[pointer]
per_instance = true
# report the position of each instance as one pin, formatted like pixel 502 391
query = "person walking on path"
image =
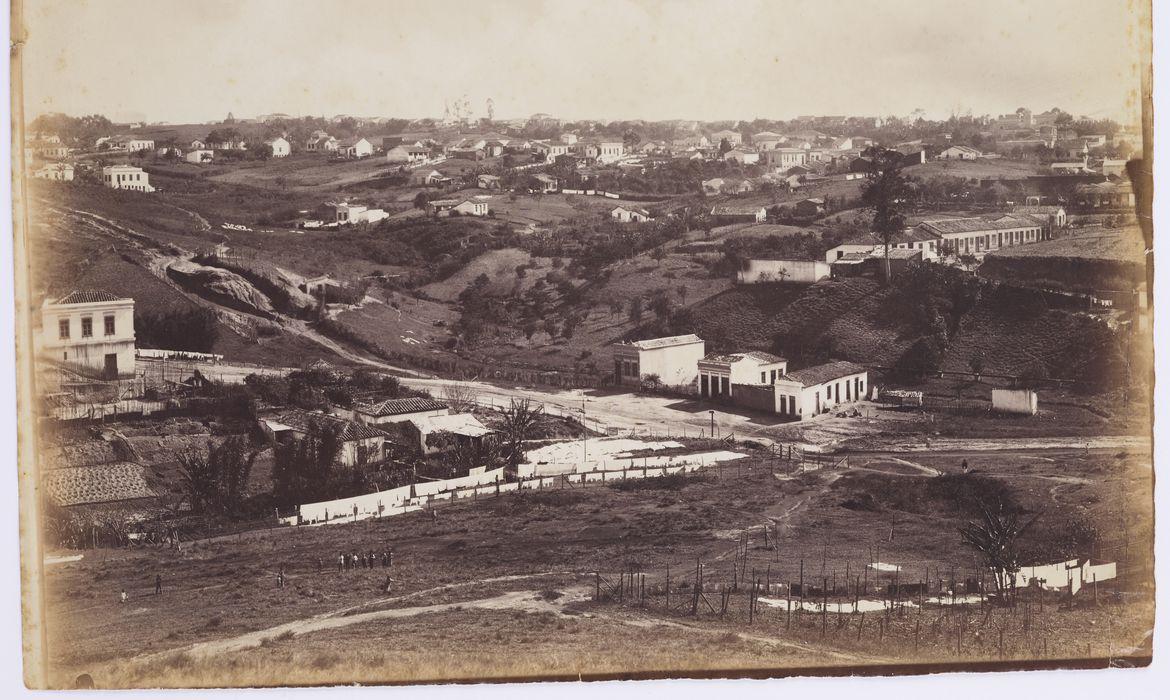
pixel 158 584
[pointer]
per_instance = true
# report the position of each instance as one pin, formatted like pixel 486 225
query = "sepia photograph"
pixel 434 341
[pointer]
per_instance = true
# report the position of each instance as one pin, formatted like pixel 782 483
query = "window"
pixel 109 322
pixel 763 377
pixel 86 326
pixel 63 329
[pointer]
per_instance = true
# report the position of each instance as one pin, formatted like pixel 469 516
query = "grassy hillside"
pixel 803 323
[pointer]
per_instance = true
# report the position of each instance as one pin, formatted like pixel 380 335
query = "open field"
pixel 984 168
pixel 519 568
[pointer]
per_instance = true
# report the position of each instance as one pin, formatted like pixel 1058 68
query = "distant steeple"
pixel 230 119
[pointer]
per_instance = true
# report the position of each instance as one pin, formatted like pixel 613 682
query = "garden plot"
pixel 97 484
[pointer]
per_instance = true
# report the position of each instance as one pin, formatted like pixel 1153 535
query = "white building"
pixel 550 151
pixel 396 410
pixel 631 214
pixel 462 428
pixel 279 147
pixel 355 148
pixel 978 235
pixel 718 372
pixel 126 177
pixel 321 141
pixel 55 171
pixel 346 213
pixel 960 153
pixel 784 158
pixel 674 360
pixel 408 154
pixel 809 392
pixel 90 330
pixel 203 155
pixel 803 271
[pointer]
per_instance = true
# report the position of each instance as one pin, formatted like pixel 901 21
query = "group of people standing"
pixel 367 560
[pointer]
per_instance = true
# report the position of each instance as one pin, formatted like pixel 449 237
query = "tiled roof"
pixel 398 406
pixel 299 420
pixel 977 224
pixel 394 407
pixel 827 372
pixel 88 296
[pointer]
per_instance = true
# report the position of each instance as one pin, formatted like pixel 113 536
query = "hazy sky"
pixel 196 60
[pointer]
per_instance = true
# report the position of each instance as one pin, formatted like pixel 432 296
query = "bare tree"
pixel 460 397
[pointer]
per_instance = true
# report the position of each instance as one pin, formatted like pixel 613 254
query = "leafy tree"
pixel 635 313
pixel 996 536
pixel 976 363
pixel 519 421
pixel 216 482
pixel 303 469
pixel 885 193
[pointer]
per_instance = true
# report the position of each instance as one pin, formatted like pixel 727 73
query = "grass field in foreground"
pixel 502 586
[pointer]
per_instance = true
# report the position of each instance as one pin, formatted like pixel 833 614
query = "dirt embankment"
pixel 221 286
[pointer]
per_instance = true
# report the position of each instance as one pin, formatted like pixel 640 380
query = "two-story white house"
pixel 91 330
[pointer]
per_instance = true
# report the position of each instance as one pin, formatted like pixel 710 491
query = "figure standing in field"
pixel 123 596
pixel 318 565
pixel 158 584
pixel 340 563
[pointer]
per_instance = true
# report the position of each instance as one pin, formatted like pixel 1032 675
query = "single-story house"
pixel 809 392
pixel 279 147
pixel 355 147
pixel 389 411
pixel 731 213
pixel 799 271
pixel 359 443
pixel 55 171
pixel 629 214
pixel 718 372
pixel 464 429
pixel 673 360
pixel 810 207
pixel 487 182
pixel 742 156
pixel 404 153
pixel 201 155
pixel 347 213
pixel 960 153
pixel 543 182
pixel 427 177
